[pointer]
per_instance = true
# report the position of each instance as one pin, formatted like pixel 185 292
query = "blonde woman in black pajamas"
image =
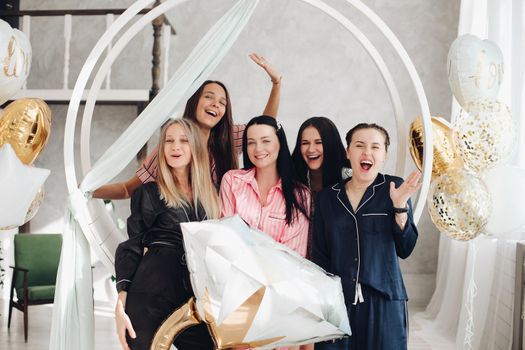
pixel 152 276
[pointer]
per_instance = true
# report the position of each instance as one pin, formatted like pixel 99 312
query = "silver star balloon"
pixel 19 184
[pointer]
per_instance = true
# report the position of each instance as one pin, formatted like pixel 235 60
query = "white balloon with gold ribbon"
pixel 475 69
pixel 15 60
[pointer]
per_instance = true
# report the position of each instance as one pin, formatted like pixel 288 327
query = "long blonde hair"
pixel 202 188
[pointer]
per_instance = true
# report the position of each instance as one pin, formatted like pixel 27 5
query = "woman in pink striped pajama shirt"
pixel 266 193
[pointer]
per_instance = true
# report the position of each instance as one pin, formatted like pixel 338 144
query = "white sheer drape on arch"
pixel 72 322
pixel 474 298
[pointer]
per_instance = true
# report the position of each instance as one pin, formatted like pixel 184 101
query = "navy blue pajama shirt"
pixel 362 247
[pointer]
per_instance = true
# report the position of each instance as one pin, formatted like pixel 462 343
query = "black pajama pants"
pixel 160 286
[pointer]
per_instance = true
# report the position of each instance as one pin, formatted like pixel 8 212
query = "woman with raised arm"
pixel 152 276
pixel 210 107
pixel 362 225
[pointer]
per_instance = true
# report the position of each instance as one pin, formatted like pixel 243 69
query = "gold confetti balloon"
pixel 35 204
pixel 26 125
pixel 445 158
pixel 484 134
pixel 459 204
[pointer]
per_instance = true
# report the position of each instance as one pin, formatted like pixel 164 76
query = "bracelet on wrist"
pixel 401 210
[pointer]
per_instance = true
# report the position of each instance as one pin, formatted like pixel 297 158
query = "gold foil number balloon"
pixel 445 158
pixel 459 204
pixel 26 124
pixel 484 135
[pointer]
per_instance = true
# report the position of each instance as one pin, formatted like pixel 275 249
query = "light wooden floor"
pixel 40 327
pixel 106 339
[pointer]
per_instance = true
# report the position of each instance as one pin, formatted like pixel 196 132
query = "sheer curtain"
pixel 473 302
pixel 72 322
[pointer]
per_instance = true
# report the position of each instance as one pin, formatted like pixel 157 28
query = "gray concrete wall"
pixel 325 72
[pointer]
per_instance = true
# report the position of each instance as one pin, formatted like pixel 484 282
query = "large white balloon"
pixel 506 185
pixel 475 69
pixel 15 60
pixel 19 184
pixel 253 290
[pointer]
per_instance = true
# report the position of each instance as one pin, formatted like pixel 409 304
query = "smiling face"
pixel 177 148
pixel 312 148
pixel 211 106
pixel 262 145
pixel 367 154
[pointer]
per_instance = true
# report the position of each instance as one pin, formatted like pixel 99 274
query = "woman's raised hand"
pixel 275 75
pixel 401 194
pixel 123 321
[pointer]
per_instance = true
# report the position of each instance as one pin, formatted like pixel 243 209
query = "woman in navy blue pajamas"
pixel 361 226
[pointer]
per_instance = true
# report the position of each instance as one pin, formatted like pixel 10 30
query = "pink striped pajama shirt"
pixel 239 194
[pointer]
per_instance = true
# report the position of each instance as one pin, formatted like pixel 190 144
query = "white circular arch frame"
pixel 99 228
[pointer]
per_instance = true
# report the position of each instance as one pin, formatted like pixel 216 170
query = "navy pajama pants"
pixel 376 324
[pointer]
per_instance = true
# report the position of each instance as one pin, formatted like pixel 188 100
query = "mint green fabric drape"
pixel 72 325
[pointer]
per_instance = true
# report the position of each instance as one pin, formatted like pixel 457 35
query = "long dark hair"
pixel 334 155
pixel 293 191
pixel 220 143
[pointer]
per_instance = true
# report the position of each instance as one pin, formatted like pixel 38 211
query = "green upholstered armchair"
pixel 35 272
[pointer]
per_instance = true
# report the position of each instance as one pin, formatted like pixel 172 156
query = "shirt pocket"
pixel 375 223
pixel 277 226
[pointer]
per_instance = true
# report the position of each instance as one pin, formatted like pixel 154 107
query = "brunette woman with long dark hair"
pixel 319 157
pixel 210 107
pixel 319 154
pixel 266 193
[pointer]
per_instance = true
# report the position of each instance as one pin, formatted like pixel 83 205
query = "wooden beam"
pixel 113 96
pixel 52 13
